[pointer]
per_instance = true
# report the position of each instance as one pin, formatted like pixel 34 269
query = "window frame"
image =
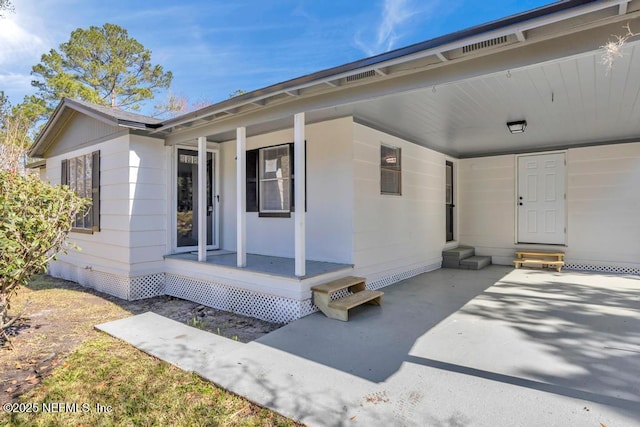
pixel 392 169
pixel 252 182
pixel 93 211
pixel 286 179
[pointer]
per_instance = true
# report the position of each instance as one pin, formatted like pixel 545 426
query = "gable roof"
pixel 67 107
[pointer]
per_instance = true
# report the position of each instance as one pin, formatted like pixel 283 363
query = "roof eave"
pixel 396 56
pixel 42 135
pixel 38 148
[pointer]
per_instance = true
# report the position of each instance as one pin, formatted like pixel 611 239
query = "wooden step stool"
pixel 339 308
pixel 539 259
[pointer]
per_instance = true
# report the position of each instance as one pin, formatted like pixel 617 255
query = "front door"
pixel 187 200
pixel 541 199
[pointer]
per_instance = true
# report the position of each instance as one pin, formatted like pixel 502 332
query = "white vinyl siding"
pixel 396 234
pixel 390 170
pixel 329 220
pixel 602 206
pixel 108 250
pixel 133 209
pixel 486 206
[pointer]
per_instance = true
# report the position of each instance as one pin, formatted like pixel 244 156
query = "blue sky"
pixel 214 48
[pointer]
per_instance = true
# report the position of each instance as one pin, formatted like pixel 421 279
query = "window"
pixel 390 170
pixel 275 179
pixel 448 189
pixel 270 179
pixel 82 174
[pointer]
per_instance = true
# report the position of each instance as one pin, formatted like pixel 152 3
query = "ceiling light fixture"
pixel 517 127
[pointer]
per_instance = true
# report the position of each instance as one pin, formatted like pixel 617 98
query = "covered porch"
pixel 448 106
pixel 266 287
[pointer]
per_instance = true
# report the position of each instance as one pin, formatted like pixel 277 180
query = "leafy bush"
pixel 35 218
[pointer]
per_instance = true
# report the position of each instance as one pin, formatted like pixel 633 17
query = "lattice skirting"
pixel 210 293
pixel 602 268
pixel 242 301
pixel 399 276
pixel 125 287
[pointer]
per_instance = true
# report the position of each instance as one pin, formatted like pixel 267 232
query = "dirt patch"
pixel 59 315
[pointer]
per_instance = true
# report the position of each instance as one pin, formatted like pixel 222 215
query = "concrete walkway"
pixel 496 347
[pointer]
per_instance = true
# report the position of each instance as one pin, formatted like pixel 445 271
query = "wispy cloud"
pixel 16 43
pixel 392 26
pixel 17 82
pixel 20 48
pixel 395 13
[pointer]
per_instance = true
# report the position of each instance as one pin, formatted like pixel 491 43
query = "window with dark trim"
pixel 82 174
pixel 274 172
pixel 270 181
pixel 390 170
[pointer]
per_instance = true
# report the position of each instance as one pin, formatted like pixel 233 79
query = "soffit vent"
pixel 484 44
pixel 360 76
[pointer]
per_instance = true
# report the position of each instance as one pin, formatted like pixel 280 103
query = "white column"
pixel 241 196
pixel 202 198
pixel 300 196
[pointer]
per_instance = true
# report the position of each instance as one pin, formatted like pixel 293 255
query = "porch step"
pixel 539 259
pixel 343 305
pixel 464 257
pixel 459 253
pixel 339 308
pixel 352 283
pixel 475 262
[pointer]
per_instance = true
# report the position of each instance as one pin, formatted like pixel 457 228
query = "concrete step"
pixel 451 257
pixel 475 262
pixel 459 253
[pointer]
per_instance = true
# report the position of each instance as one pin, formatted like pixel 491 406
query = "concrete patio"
pixel 448 348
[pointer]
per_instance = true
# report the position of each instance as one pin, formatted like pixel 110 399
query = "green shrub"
pixel 35 218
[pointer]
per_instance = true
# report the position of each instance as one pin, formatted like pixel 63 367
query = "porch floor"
pixel 276 266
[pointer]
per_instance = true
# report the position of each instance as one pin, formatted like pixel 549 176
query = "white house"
pixel 371 168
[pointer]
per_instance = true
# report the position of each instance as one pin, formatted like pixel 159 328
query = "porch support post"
pixel 202 199
pixel 241 196
pixel 299 192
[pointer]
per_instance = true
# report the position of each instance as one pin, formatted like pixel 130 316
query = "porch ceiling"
pixel 567 102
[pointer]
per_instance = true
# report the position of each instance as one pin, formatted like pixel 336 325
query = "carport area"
pixel 447 348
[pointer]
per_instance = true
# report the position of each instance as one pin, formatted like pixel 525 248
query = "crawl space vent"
pixel 360 76
pixel 484 44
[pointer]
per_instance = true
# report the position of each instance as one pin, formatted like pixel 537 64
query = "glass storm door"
pixel 187 199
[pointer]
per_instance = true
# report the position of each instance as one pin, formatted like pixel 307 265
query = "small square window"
pixel 390 170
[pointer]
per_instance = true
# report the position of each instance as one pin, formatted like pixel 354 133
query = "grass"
pixel 140 389
pixel 61 358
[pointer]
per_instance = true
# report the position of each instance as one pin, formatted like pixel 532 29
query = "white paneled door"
pixel 541 199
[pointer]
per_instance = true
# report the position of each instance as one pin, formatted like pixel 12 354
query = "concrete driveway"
pixel 496 347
